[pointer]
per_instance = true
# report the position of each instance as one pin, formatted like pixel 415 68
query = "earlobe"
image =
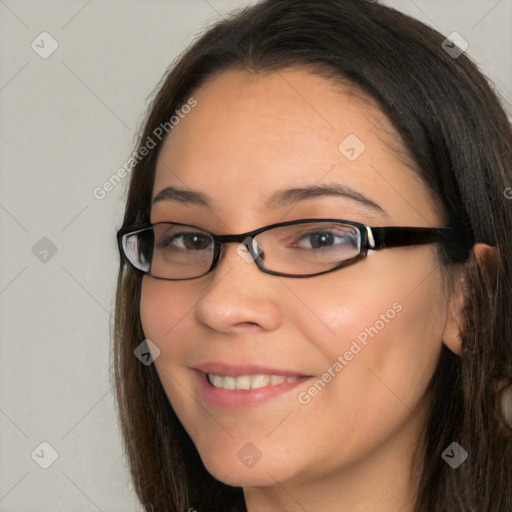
pixel 485 256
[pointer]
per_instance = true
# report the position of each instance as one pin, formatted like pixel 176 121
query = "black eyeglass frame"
pixel 372 238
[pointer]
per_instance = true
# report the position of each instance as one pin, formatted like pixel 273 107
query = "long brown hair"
pixel 451 122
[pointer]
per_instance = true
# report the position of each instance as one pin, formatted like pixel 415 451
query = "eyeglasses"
pixel 298 248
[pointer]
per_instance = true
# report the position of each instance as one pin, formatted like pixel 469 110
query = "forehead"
pixel 252 134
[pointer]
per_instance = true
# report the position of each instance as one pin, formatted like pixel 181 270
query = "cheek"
pixel 381 342
pixel 387 332
pixel 399 301
pixel 163 305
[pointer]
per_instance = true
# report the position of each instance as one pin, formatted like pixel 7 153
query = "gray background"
pixel 68 123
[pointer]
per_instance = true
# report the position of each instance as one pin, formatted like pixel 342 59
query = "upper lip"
pixel 245 369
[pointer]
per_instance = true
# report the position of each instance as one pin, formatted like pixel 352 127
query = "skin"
pixel 351 448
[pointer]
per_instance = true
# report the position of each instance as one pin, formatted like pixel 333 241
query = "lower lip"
pixel 241 397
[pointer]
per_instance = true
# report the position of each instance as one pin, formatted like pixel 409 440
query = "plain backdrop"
pixel 69 121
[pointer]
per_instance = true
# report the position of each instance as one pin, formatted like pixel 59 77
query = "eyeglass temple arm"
pixel 378 238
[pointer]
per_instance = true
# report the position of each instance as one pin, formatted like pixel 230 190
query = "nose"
pixel 237 295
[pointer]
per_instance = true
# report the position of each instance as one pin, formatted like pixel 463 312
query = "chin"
pixel 247 477
pixel 233 472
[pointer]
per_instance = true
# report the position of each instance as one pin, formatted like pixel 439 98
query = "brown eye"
pixel 325 240
pixel 186 241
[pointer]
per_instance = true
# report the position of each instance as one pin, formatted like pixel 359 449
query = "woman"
pixel 315 361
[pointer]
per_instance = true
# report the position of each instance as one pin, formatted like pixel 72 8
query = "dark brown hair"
pixel 450 121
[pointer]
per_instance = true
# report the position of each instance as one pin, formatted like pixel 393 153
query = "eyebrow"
pixel 276 200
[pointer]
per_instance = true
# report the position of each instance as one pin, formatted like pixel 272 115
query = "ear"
pixel 454 318
pixel 453 328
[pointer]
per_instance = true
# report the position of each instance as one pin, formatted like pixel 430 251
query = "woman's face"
pixel 363 341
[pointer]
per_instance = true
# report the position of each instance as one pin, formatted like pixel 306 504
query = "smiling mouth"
pixel 248 382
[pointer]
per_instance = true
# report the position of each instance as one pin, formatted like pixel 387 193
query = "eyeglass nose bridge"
pixel 248 249
pixel 254 250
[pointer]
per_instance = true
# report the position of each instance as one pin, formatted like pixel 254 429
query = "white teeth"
pixel 247 381
pixel 260 381
pixel 229 383
pixel 216 380
pixel 243 382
